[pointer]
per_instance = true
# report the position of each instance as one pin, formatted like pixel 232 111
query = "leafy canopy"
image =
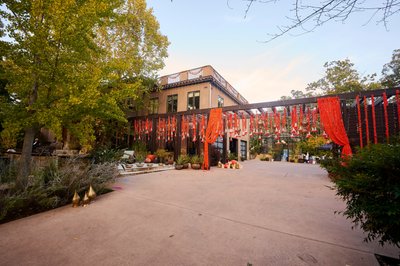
pixel 70 63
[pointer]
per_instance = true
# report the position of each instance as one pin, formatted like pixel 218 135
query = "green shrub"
pixel 369 182
pixel 53 186
pixel 106 155
pixel 196 159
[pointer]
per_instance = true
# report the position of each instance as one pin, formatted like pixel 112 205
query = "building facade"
pixel 195 89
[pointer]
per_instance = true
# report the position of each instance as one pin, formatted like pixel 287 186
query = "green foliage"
pixel 106 155
pixel 369 182
pixel 232 156
pixel 140 156
pixel 181 160
pixel 72 64
pixel 391 71
pixel 312 145
pixel 162 154
pixel 54 186
pixel 139 146
pixel 340 77
pixel 196 159
pixel 255 145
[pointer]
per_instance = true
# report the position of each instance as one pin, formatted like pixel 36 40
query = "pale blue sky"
pixel 211 33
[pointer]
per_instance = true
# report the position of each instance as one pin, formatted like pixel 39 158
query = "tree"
pixel 391 71
pixel 71 63
pixel 296 94
pixel 340 77
pixel 308 15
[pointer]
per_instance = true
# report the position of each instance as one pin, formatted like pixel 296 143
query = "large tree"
pixel 70 63
pixel 340 77
pixel 391 71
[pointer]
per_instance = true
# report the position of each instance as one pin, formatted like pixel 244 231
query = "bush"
pixel 369 182
pixel 53 186
pixel 106 155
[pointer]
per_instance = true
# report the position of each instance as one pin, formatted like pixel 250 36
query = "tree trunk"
pixel 26 158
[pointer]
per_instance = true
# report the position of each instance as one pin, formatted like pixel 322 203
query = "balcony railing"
pixel 203 72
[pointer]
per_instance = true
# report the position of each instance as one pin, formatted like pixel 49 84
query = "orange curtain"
pixel 213 129
pixel 331 118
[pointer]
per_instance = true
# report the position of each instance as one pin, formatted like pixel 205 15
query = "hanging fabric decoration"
pixel 194 129
pixel 244 125
pixel 359 126
pixel 385 104
pixel 202 128
pixel 366 119
pixel 308 123
pixel 266 130
pixel 331 118
pixel 374 119
pixel 398 108
pixel 301 120
pixel 283 130
pixel 314 115
pixel 251 125
pixel 294 122
pixel 214 125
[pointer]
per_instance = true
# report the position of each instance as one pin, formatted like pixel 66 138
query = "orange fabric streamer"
pixel 213 127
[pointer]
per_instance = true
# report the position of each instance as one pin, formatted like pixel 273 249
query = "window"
pixel 243 149
pixel 153 108
pixel 193 100
pixel 220 101
pixel 172 103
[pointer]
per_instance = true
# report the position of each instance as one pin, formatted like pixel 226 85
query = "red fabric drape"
pixel 331 118
pixel 213 127
pixel 374 119
pixel 398 107
pixel 385 104
pixel 359 121
pixel 366 119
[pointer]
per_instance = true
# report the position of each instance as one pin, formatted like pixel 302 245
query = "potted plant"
pixel 186 160
pixel 196 162
pixel 139 159
pixel 161 155
pixel 179 162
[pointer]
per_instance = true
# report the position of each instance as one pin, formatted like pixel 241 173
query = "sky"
pixel 217 33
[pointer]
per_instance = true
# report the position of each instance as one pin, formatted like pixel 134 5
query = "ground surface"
pixel 268 213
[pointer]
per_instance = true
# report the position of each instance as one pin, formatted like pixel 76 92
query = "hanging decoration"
pixel 214 126
pixel 142 129
pixel 374 119
pixel 385 104
pixel 398 108
pixel 308 119
pixel 366 119
pixel 331 118
pixel 194 129
pixel 359 126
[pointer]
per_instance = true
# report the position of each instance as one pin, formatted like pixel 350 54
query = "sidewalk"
pixel 268 213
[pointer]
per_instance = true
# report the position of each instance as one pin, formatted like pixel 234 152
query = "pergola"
pixel 368 117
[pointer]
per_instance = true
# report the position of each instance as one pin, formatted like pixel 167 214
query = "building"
pixel 195 89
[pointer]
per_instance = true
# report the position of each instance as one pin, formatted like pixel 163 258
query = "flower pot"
pixel 139 164
pixel 185 165
pixel 196 166
pixel 178 166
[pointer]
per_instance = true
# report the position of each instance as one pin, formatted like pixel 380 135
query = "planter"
pixel 196 166
pixel 139 164
pixel 185 165
pixel 179 166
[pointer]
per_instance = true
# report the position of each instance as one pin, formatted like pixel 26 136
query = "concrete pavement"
pixel 268 213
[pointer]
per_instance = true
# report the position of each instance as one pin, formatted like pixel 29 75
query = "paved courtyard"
pixel 268 213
